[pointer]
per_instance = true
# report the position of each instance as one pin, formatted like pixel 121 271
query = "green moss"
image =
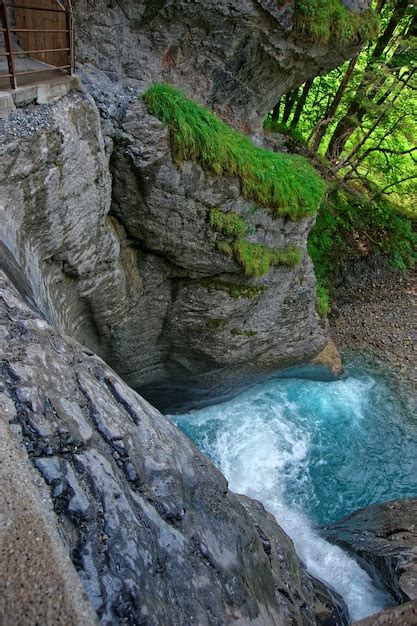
pixel 322 21
pixel 323 299
pixel 224 247
pixel 243 333
pixel 230 224
pixel 285 183
pixel 215 324
pixel 235 291
pixel 257 259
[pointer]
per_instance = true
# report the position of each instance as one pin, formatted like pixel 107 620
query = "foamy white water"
pixel 263 443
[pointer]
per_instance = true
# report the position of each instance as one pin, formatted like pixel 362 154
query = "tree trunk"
pixel 301 102
pixel 331 111
pixel 275 112
pixel 355 113
pixel 289 102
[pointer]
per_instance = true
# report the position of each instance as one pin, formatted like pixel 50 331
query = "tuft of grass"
pixel 257 259
pixel 230 224
pixel 287 184
pixel 322 299
pixel 224 247
pixel 322 21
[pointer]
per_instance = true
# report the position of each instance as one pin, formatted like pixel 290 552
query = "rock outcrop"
pixel 114 238
pixel 238 58
pixel 403 615
pixel 148 521
pixel 137 277
pixel 383 538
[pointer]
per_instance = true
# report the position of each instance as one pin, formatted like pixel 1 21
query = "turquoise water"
pixel 313 452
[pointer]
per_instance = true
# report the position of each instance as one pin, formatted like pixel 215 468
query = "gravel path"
pixel 377 314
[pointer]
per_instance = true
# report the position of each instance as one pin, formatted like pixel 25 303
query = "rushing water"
pixel 313 452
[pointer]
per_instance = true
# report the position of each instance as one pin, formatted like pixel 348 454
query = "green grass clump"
pixel 323 299
pixel 285 183
pixel 257 259
pixel 229 224
pixel 322 21
pixel 346 221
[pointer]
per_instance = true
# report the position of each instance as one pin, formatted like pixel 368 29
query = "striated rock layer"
pixel 237 57
pixel 148 521
pixel 137 277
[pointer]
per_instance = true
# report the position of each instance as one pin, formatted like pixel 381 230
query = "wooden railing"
pixel 41 30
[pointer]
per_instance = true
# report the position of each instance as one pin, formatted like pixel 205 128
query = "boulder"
pixel 383 537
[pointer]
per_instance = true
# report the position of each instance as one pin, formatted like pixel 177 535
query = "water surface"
pixel 313 452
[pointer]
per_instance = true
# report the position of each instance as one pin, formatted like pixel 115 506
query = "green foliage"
pixel 234 290
pixel 349 226
pixel 323 299
pixel 225 247
pixel 287 184
pixel 322 21
pixel 277 127
pixel 215 324
pixel 257 259
pixel 230 224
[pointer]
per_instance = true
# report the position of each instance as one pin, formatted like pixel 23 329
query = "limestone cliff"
pixel 149 523
pixel 111 249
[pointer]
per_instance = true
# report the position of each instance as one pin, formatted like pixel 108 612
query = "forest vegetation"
pixel 358 124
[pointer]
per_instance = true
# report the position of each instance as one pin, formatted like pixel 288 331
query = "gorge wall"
pixel 109 247
pixel 115 239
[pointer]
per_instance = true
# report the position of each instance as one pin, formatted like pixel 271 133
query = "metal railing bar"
pixel 17 6
pixel 11 54
pixel 43 51
pixel 16 54
pixel 37 30
pixel 46 69
pixel 8 44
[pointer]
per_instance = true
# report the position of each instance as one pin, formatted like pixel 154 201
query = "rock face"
pixel 403 615
pixel 137 277
pixel 237 57
pixel 38 582
pixel 148 521
pixel 384 538
pixel 114 238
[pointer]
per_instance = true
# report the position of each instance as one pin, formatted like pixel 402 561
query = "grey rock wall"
pixel 122 258
pixel 238 57
pixel 148 522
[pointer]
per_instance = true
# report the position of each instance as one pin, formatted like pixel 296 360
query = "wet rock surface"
pixel 383 538
pixel 148 521
pixel 403 615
